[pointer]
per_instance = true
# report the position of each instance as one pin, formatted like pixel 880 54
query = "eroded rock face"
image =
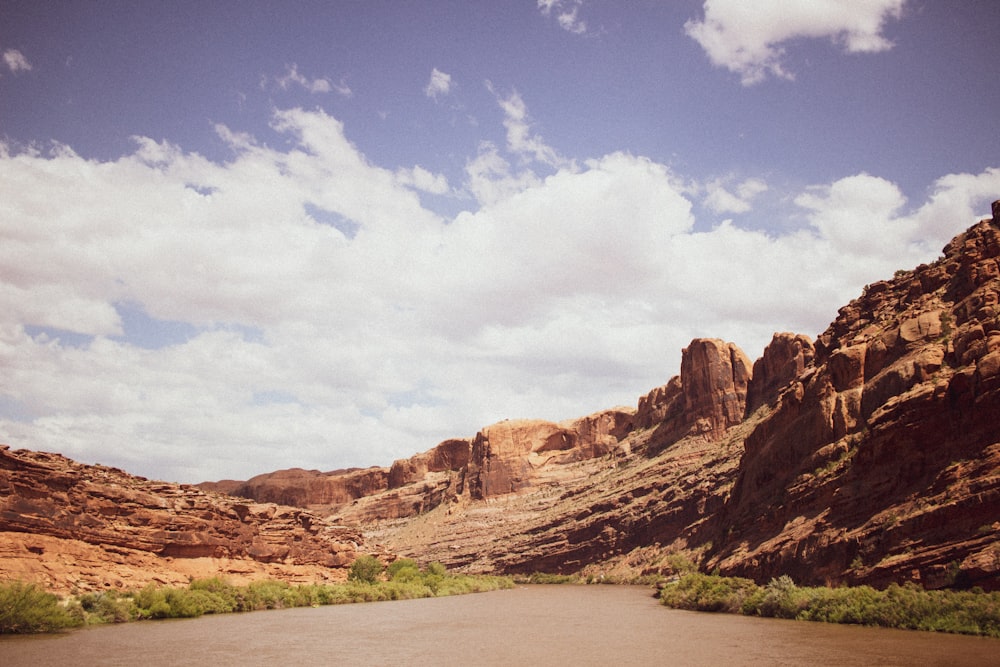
pixel 864 470
pixel 708 398
pixel 714 377
pixel 785 358
pixel 147 528
pixel 506 455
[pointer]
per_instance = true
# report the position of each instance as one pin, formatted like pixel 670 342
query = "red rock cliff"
pixel 70 526
pixel 881 459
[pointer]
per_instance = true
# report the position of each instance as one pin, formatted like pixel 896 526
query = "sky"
pixel 237 237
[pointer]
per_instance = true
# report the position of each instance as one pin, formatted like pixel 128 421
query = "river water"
pixel 530 625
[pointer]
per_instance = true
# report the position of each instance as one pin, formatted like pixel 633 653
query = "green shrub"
pixel 109 607
pixel 403 569
pixel 702 592
pixel 549 578
pixel 270 594
pixel 401 564
pixel 907 606
pixel 27 608
pixel 365 569
pixel 781 599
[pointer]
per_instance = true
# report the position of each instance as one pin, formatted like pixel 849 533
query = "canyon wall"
pixel 870 455
pixel 881 461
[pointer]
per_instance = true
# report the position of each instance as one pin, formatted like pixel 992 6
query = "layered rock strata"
pixel 77 527
pixel 881 460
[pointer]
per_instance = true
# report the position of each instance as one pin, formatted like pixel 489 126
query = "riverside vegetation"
pixel 909 607
pixel 27 608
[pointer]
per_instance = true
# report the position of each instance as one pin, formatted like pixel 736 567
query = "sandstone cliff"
pixel 75 527
pixel 881 460
pixel 871 455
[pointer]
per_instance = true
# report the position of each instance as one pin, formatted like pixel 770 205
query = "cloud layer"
pixel 748 38
pixel 300 306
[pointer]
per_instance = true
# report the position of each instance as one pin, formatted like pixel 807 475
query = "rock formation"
pixel 77 527
pixel 871 455
pixel 881 460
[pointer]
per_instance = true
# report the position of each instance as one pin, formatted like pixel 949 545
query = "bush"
pixel 907 607
pixel 27 608
pixel 365 569
pixel 549 578
pixel 403 569
pixel 109 607
pixel 781 599
pixel 437 569
pixel 269 594
pixel 702 592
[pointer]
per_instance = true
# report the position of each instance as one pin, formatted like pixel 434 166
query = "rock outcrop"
pixel 881 460
pixel 77 527
pixel 533 494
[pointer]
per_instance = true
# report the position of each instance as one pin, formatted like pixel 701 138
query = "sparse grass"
pixel 908 607
pixel 28 608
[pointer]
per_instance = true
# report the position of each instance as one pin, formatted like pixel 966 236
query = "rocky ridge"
pixel 75 527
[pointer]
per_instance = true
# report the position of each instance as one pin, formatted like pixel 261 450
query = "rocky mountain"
pixel 73 527
pixel 870 455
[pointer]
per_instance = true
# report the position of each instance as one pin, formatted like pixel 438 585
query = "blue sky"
pixel 238 237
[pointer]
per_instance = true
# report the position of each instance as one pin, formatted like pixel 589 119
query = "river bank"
pixel 539 625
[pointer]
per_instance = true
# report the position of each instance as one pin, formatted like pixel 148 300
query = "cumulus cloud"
pixel 747 38
pixel 15 61
pixel 857 214
pixel 305 346
pixel 292 77
pixel 719 198
pixel 439 84
pixel 566 13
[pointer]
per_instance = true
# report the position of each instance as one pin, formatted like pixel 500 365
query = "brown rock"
pixel 714 376
pixel 120 524
pixel 785 358
pixel 865 473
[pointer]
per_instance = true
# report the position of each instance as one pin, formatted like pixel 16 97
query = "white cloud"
pixel 490 178
pixel 857 214
pixel 15 61
pixel 292 76
pixel 747 37
pixel 521 140
pixel 566 13
pixel 719 199
pixel 421 179
pixel 439 84
pixel 554 297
